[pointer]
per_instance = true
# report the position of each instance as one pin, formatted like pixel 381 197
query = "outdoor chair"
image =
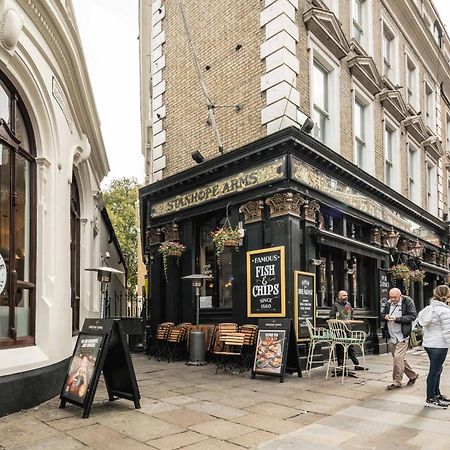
pixel 176 342
pixel 248 350
pixel 230 356
pixel 317 335
pixel 162 333
pixel 341 335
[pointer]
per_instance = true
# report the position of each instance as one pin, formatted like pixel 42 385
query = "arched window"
pixel 17 220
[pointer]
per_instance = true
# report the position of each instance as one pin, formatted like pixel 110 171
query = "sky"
pixel 109 32
pixel 109 35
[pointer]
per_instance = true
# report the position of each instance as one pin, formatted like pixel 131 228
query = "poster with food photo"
pixel 269 351
pixel 82 367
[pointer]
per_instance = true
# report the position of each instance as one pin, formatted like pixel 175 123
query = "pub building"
pixel 291 193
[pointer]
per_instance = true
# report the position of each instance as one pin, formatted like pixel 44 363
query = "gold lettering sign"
pixel 310 176
pixel 243 181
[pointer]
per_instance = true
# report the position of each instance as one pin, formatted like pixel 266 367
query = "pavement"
pixel 193 408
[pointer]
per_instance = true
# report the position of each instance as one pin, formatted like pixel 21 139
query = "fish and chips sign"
pixel 248 179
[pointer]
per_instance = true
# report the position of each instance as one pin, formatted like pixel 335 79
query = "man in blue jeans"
pixel 398 314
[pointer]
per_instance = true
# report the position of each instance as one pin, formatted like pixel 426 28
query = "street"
pixel 193 408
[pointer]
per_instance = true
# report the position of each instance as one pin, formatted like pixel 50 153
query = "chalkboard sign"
pixel 266 283
pixel 304 303
pixel 101 346
pixel 276 350
pixel 383 284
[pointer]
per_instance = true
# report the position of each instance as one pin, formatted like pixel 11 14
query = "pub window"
pixel 329 281
pixel 17 218
pixel 216 293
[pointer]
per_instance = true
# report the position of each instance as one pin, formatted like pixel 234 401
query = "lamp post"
pixel 104 276
pixel 197 338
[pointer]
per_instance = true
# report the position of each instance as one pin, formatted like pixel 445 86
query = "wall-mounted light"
pixel 197 157
pixel 315 262
pixel 391 239
pixel 416 250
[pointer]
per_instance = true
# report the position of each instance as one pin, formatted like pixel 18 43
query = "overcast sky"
pixel 109 33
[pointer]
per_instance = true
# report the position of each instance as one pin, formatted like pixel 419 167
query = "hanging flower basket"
pixel 170 248
pixel 225 237
pixel 417 276
pixel 402 273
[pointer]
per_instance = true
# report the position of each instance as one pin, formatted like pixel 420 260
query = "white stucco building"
pixel 52 161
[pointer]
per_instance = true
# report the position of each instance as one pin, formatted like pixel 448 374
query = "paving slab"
pixel 177 440
pixel 192 407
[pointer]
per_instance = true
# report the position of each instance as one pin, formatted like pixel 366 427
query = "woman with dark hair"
pixel 435 320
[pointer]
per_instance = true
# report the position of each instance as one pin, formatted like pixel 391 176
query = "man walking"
pixel 342 310
pixel 398 314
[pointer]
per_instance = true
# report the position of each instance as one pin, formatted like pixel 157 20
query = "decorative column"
pixel 284 214
pixel 253 219
pixel 309 215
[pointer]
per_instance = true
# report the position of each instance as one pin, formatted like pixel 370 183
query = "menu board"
pixel 383 284
pixel 266 283
pixel 82 367
pixel 269 351
pixel 304 303
pixel 101 347
pixel 276 350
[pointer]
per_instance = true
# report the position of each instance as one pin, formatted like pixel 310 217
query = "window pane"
pixel 21 132
pixel 226 279
pixel 22 250
pixel 4 106
pixel 23 313
pixel 320 87
pixel 359 120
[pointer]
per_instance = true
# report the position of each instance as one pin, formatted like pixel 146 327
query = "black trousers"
pixel 351 354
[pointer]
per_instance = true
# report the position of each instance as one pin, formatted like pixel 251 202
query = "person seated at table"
pixel 342 310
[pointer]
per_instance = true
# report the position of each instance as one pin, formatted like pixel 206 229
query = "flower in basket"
pixel 170 248
pixel 417 276
pixel 403 273
pixel 225 237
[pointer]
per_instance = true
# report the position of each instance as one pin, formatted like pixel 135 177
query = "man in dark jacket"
pixel 398 315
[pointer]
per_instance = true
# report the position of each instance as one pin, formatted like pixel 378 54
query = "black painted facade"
pixel 295 217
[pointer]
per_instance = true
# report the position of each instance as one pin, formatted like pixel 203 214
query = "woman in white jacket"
pixel 435 320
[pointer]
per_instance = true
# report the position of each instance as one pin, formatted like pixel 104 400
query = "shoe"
pixel 443 399
pixel 358 367
pixel 435 403
pixel 393 386
pixel 412 381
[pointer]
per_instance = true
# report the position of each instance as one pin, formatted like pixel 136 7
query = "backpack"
pixel 416 336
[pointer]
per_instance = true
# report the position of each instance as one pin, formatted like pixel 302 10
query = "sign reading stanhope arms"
pixel 248 179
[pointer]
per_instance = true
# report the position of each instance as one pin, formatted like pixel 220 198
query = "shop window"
pixel 75 254
pixel 216 293
pixel 17 218
pixel 329 277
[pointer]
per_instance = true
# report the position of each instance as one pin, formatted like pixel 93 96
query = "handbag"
pixel 416 336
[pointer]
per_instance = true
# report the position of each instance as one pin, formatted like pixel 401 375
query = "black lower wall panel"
pixel 27 389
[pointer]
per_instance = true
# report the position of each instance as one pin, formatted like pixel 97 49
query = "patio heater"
pixel 197 337
pixel 104 276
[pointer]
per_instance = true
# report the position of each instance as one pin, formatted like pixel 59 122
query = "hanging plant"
pixel 416 276
pixel 225 237
pixel 403 273
pixel 170 248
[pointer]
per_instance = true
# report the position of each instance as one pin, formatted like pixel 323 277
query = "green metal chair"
pixel 317 335
pixel 343 336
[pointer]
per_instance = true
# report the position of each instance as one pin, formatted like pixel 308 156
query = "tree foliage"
pixel 120 201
